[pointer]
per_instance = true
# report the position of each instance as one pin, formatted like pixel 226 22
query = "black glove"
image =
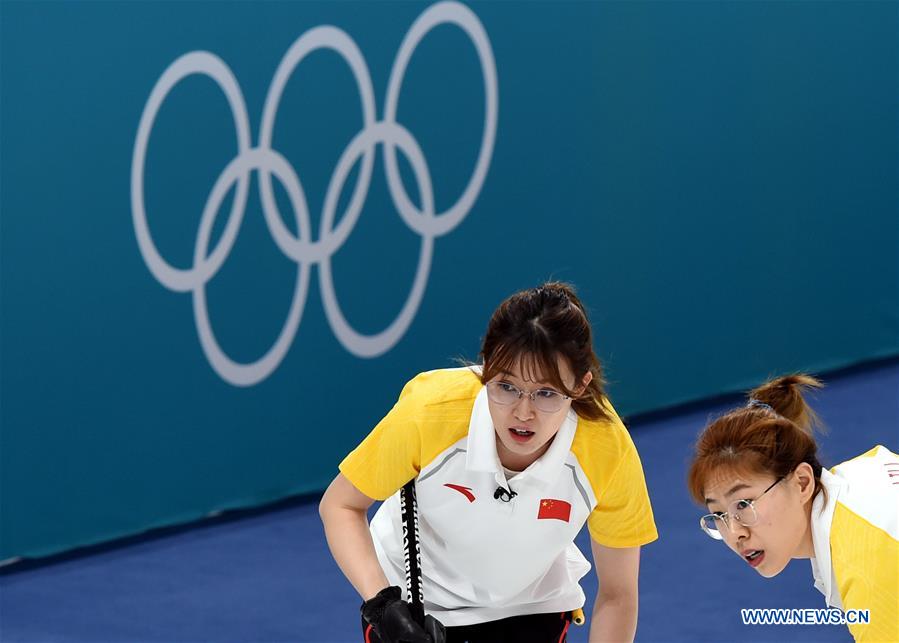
pixel 392 620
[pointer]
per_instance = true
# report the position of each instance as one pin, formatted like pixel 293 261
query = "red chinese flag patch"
pixel 554 510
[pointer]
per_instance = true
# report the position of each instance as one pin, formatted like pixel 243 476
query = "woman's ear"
pixel 585 382
pixel 804 478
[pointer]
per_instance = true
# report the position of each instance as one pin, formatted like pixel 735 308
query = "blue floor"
pixel 270 577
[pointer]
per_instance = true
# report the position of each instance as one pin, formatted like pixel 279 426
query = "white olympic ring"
pixel 301 248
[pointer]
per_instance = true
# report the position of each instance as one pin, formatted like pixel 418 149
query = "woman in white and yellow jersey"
pixel 510 459
pixel 756 469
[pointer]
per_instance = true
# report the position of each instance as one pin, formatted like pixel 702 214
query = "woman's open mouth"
pixel 521 435
pixel 754 557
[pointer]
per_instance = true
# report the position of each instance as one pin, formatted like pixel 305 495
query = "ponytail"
pixel 785 396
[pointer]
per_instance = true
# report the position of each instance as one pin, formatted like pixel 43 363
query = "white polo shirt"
pixel 855 533
pixel 484 559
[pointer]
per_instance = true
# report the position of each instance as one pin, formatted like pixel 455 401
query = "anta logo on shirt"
pixel 465 491
pixel 892 469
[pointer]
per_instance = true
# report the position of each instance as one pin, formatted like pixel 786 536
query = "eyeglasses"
pixel 544 399
pixel 742 511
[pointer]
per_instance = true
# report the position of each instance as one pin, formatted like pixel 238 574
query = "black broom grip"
pixel 412 551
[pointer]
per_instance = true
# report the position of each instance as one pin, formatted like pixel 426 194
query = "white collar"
pixel 821 522
pixel 482 455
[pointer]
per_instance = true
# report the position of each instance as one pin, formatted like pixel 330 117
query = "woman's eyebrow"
pixel 540 383
pixel 737 487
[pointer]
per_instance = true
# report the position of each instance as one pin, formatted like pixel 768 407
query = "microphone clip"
pixel 504 494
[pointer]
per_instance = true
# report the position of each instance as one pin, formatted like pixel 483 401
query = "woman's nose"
pixel 736 530
pixel 524 408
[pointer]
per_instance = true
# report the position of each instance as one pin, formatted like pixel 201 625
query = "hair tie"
pixel 754 403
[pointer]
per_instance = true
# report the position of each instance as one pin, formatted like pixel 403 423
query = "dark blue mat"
pixel 270 577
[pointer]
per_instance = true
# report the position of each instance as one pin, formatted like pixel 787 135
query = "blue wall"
pixel 719 179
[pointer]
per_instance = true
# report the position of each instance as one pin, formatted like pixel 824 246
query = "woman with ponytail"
pixel 510 459
pixel 770 500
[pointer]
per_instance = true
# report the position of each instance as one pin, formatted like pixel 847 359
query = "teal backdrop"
pixel 718 179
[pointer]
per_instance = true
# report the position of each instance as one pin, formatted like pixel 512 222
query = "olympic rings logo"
pixel 301 248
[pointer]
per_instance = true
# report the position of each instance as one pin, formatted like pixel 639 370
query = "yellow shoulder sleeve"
pixel 432 413
pixel 623 514
pixel 865 562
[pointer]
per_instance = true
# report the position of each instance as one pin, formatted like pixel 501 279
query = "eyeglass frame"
pixel 530 394
pixel 724 515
